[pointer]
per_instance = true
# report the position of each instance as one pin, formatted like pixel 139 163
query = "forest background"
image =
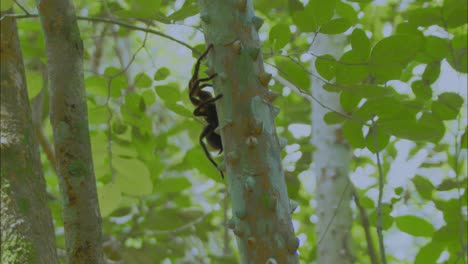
pixel 390 78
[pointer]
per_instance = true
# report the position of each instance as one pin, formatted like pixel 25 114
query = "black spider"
pixel 206 108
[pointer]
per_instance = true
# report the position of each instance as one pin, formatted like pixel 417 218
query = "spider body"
pixel 206 108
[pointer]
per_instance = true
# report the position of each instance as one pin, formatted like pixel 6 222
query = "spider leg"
pixel 198 63
pixel 197 111
pixel 207 131
pixel 194 84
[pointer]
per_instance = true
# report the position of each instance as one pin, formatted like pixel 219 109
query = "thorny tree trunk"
pixel 332 158
pixel 261 207
pixel 68 115
pixel 27 232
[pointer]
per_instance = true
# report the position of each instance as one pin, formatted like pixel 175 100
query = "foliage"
pixel 160 197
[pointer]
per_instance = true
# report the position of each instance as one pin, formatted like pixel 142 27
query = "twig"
pixel 379 202
pixel 115 22
pixel 177 230
pixel 21 7
pixel 366 226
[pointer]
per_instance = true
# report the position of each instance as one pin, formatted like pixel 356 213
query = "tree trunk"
pixel 68 115
pixel 27 232
pixel 261 208
pixel 331 159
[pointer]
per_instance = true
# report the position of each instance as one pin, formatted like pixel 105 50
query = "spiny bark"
pixel 27 232
pixel 68 115
pixel 260 203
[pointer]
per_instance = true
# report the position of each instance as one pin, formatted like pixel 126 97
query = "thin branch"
pixel 130 26
pixel 460 202
pixel 366 226
pixel 22 7
pixel 292 86
pixel 322 236
pixel 115 22
pixel 177 230
pixel 379 202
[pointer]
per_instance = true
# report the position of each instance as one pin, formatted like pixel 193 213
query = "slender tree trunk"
pixel 27 232
pixel 331 158
pixel 68 115
pixel 255 178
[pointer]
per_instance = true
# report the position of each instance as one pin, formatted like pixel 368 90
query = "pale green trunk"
pixel 331 158
pixel 261 208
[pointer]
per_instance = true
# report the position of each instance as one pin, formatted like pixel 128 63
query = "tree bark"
pixel 331 158
pixel 261 207
pixel 68 115
pixel 27 232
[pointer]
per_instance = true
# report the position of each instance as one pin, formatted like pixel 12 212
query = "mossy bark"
pixel 69 119
pixel 27 232
pixel 261 207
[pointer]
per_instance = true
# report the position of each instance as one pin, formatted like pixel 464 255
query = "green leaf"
pixel 335 26
pixel 351 68
pixel 302 20
pixel 387 219
pixel 429 253
pixel 431 73
pixel 5 5
pixel 447 106
pixel 280 35
pixel 97 114
pixel 142 80
pixel 173 185
pixel 293 72
pixel 448 184
pixel 371 91
pixel 169 93
pixel 34 82
pixel 132 102
pixel 455 13
pixel 133 177
pixel 187 10
pixel 118 81
pixel 423 186
pixel 367 202
pixel 321 11
pixel 391 55
pixel 399 191
pixel 331 118
pixel 349 101
pixel 179 109
pixel 148 97
pixel 458 59
pixel 97 85
pixel 352 131
pixel 196 158
pixel 437 48
pixel 326 66
pixel 347 11
pixel 295 5
pixel 109 197
pixel 161 74
pixel 382 140
pixel 360 43
pixel 427 128
pixel 141 9
pixel 424 17
pixel 464 139
pixel 421 90
pixel 414 226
